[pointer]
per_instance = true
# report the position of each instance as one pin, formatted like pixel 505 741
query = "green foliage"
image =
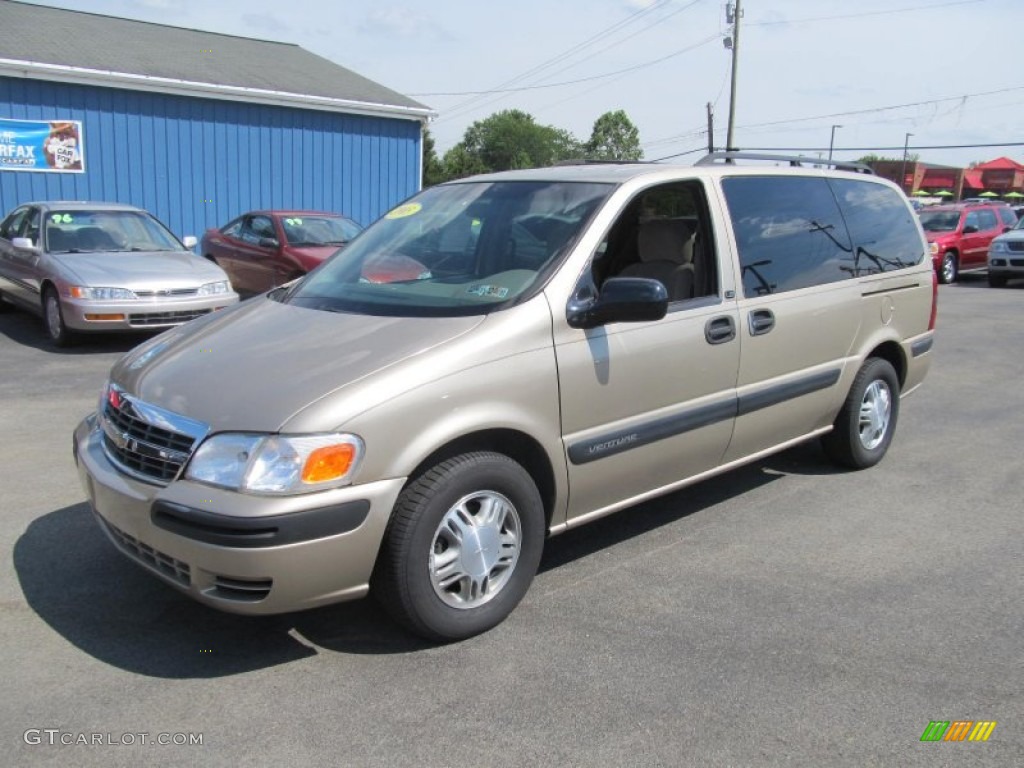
pixel 913 157
pixel 614 137
pixel 433 168
pixel 513 139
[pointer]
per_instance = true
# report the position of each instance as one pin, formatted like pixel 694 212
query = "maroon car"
pixel 263 249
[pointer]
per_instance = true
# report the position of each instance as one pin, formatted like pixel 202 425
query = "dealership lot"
pixel 783 614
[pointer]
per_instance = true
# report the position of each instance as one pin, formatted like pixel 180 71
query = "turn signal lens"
pixel 328 463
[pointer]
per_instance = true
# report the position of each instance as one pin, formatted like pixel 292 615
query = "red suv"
pixel 959 234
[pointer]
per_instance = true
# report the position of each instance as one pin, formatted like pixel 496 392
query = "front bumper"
pixel 1008 265
pixel 236 552
pixel 141 314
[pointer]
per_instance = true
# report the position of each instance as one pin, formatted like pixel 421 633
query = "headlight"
pixel 276 464
pixel 214 289
pixel 934 248
pixel 998 247
pixel 100 294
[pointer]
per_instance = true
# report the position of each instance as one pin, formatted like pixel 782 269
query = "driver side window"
pixel 663 234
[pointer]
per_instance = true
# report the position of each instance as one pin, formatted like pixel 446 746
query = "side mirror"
pixel 190 241
pixel 970 229
pixel 620 300
pixel 269 242
pixel 24 242
pixel 1007 229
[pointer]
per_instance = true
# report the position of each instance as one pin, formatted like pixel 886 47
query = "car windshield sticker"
pixel 61 218
pixel 293 222
pixel 488 291
pixel 409 209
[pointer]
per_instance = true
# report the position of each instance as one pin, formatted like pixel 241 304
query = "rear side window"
pixel 789 231
pixel 883 230
pixel 1008 216
pixel 987 220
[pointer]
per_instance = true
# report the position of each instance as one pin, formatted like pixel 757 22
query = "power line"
pixel 852 149
pixel 462 106
pixel 861 15
pixel 633 68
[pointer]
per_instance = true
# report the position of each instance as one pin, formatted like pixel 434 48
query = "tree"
pixel 433 168
pixel 614 137
pixel 507 140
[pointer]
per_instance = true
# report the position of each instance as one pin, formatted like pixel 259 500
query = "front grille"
pixel 169 566
pixel 174 292
pixel 148 319
pixel 1015 245
pixel 1017 262
pixel 146 441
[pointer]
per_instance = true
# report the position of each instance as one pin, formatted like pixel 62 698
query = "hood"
pixel 144 270
pixel 311 256
pixel 252 367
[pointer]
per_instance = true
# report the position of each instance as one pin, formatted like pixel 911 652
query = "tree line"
pixel 513 139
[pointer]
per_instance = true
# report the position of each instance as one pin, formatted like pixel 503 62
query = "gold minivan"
pixel 501 359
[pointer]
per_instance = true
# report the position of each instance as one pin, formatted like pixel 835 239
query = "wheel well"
pixel 43 288
pixel 518 446
pixel 893 353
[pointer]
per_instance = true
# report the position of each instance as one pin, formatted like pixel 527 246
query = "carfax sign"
pixel 54 146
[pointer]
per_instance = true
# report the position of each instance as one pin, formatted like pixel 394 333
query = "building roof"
pixel 972 179
pixel 73 46
pixel 1000 164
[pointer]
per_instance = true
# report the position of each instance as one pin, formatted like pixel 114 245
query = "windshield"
pixel 456 249
pixel 939 221
pixel 84 231
pixel 309 230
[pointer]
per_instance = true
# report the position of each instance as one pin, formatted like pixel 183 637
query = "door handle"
pixel 761 321
pixel 719 330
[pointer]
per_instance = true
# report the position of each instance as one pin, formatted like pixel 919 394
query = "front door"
pixel 646 405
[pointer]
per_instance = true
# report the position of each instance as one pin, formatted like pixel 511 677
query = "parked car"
pixel 959 234
pixel 87 267
pixel 261 250
pixel 578 339
pixel 1006 256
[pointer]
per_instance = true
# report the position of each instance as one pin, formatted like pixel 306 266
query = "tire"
pixel 863 430
pixel 428 579
pixel 4 304
pixel 996 281
pixel 53 319
pixel 948 269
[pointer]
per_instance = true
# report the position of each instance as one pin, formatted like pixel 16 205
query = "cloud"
pixel 639 5
pixel 404 23
pixel 264 22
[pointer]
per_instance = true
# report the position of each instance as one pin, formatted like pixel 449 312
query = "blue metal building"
pixel 199 127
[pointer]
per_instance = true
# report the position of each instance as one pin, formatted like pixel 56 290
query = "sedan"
pixel 261 250
pixel 87 267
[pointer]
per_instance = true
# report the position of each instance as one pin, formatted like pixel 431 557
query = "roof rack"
pixel 589 161
pixel 796 161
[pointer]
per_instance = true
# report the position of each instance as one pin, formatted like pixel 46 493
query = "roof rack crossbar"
pixel 795 161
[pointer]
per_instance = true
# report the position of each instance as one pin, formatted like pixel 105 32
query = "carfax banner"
pixel 54 146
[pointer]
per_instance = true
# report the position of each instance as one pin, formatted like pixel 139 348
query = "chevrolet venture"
pixel 572 340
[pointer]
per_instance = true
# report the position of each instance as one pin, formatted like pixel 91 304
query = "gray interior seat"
pixel 58 239
pixel 665 250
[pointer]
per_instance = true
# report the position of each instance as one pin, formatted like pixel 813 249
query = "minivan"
pixel 572 341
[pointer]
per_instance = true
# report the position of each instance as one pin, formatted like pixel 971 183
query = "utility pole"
pixel 903 170
pixel 832 141
pixel 711 128
pixel 733 13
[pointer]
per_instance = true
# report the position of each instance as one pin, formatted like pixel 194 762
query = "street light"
pixel 903 171
pixel 832 141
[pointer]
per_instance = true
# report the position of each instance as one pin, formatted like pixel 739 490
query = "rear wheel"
pixel 462 547
pixel 864 428
pixel 53 317
pixel 948 270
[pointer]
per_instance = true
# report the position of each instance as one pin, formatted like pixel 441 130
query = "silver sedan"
pixel 104 267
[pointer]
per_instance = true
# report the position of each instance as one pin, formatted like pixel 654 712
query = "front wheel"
pixel 462 547
pixel 865 425
pixel 53 316
pixel 948 270
pixel 996 281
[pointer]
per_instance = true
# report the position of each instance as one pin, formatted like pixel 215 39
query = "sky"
pixel 878 70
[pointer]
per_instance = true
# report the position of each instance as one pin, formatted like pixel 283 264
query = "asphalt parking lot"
pixel 786 614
